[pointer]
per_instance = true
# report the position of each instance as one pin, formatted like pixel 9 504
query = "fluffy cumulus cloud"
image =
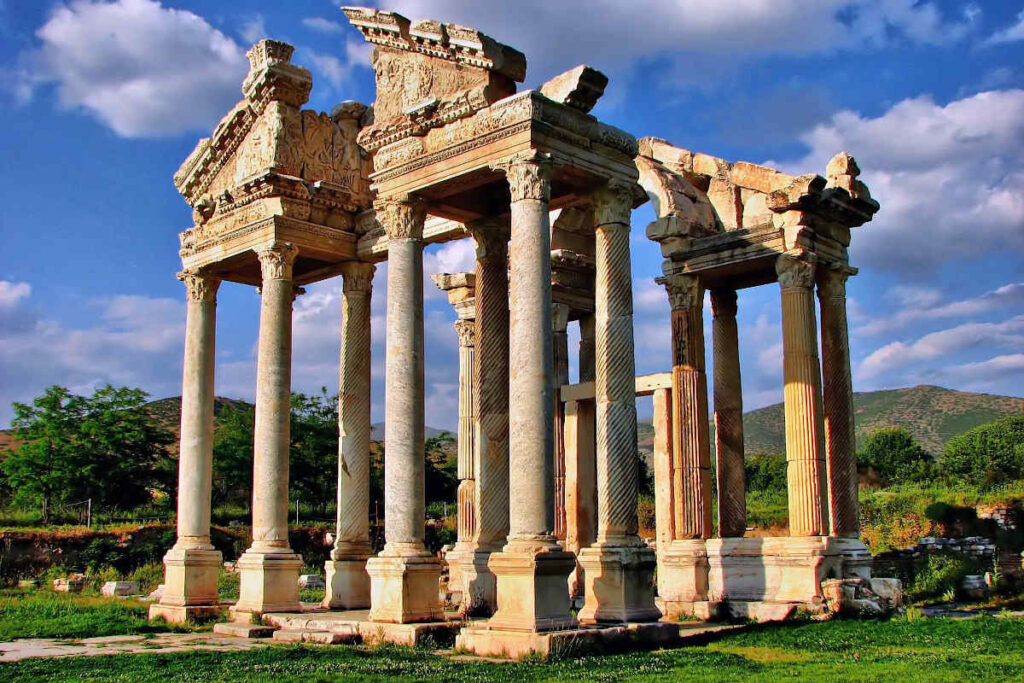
pixel 139 67
pixel 949 177
pixel 615 35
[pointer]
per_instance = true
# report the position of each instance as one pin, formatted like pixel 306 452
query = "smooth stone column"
pixel 404 577
pixel 728 392
pixel 269 569
pixel 840 439
pixel 191 566
pixel 805 431
pixel 560 348
pixel 348 584
pixel 618 568
pixel 532 568
pixel 664 501
pixel 580 484
pixel 685 562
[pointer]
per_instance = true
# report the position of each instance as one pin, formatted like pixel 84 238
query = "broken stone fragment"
pixel 579 88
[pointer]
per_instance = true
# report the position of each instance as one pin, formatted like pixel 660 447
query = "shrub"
pixel 766 472
pixel 943 572
pixel 894 454
pixel 989 455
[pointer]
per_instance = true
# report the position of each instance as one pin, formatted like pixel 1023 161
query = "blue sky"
pixel 100 102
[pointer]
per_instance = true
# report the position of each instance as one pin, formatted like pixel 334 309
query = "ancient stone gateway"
pixel 547 500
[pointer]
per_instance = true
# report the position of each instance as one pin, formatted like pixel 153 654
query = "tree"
pixel 441 468
pixel 766 472
pixel 894 455
pixel 313 464
pixel 987 455
pixel 232 455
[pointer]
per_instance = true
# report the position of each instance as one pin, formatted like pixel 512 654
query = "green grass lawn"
pixel 982 649
pixel 45 614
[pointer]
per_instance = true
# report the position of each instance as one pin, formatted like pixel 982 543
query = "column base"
pixel 619 584
pixel 856 557
pixel 182 614
pixel 405 589
pixel 190 577
pixel 774 569
pixel 348 584
pixel 532 587
pixel 269 583
pixel 477 583
pixel 683 577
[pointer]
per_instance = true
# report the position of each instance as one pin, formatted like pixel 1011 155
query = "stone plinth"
pixel 517 645
pixel 532 590
pixel 190 586
pixel 683 579
pixel 404 589
pixel 348 584
pixel 269 583
pixel 619 584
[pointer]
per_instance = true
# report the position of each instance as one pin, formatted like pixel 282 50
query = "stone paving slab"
pixel 160 643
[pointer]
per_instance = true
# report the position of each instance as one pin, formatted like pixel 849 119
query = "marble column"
pixel 404 577
pixel 805 433
pixel 191 566
pixel 837 389
pixel 348 584
pixel 532 568
pixel 269 568
pixel 560 349
pixel 664 501
pixel 728 392
pixel 618 567
pixel 684 562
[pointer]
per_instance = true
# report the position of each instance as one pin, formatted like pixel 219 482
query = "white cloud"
pixel 926 304
pixel 949 177
pixel 321 25
pixel 254 30
pixel 336 71
pixel 898 357
pixel 11 293
pixel 138 67
pixel 614 36
pixel 1010 34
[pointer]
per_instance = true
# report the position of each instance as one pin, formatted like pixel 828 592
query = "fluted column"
pixel 691 448
pixel 269 568
pixel 618 568
pixel 837 389
pixel 805 443
pixel 728 392
pixel 191 566
pixel 466 330
pixel 348 584
pixel 560 349
pixel 404 577
pixel 531 570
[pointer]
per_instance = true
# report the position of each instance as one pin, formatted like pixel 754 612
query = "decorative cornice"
pixel 795 272
pixel 357 276
pixel 402 218
pixel 199 287
pixel 276 260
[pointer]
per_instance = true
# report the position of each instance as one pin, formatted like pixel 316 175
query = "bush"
pixel 646 517
pixel 894 454
pixel 766 472
pixel 943 572
pixel 989 455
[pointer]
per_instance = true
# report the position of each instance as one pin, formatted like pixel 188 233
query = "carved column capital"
pixel 723 303
pixel 559 317
pixel 357 276
pixel 529 177
pixel 200 288
pixel 402 218
pixel 795 273
pixel 684 291
pixel 490 235
pixel 465 329
pixel 613 203
pixel 832 282
pixel 276 260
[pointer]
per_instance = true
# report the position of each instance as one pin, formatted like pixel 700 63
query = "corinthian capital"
pixel 276 260
pixel 723 303
pixel 357 276
pixel 612 204
pixel 832 282
pixel 465 329
pixel 402 218
pixel 795 273
pixel 490 235
pixel 529 177
pixel 684 291
pixel 200 288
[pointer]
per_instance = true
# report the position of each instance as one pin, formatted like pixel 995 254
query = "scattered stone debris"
pixel 862 598
pixel 118 589
pixel 314 581
pixel 70 584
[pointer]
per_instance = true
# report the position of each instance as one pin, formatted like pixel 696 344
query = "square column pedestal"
pixel 470 575
pixel 619 584
pixel 683 580
pixel 348 584
pixel 405 589
pixel 190 586
pixel 269 583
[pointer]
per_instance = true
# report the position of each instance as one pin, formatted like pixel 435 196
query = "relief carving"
pixel 402 218
pixel 276 260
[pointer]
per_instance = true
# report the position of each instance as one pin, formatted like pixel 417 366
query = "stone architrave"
pixel 728 392
pixel 618 567
pixel 684 562
pixel 348 584
pixel 404 576
pixel 532 568
pixel 191 566
pixel 269 568
pixel 805 430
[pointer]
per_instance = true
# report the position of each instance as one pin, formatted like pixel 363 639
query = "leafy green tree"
pixel 894 455
pixel 766 472
pixel 232 455
pixel 313 463
pixel 987 455
pixel 441 468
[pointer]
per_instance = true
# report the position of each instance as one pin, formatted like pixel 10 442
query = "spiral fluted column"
pixel 728 392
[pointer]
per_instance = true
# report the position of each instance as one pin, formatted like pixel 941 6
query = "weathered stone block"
pixel 113 589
